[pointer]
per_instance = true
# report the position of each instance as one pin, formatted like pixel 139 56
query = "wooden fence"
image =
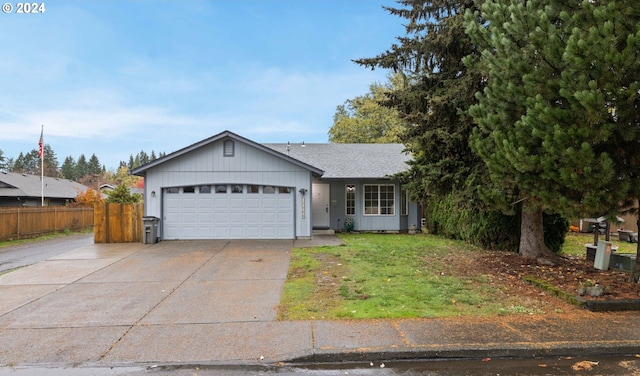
pixel 26 222
pixel 117 223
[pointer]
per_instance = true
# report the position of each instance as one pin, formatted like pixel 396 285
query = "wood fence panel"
pixel 115 219
pixel 25 222
pixel 99 224
pixel 118 223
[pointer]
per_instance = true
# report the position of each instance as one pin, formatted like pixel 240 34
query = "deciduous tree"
pixel 365 119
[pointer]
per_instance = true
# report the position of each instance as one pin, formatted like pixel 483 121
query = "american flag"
pixel 41 144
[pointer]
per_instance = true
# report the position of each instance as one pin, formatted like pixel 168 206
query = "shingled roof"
pixel 359 161
pixel 22 185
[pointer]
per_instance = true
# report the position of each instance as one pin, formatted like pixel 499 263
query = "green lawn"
pixel 574 244
pixel 392 276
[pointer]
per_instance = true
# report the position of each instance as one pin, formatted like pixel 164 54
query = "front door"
pixel 320 206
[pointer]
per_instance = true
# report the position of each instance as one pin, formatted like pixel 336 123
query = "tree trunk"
pixel 532 231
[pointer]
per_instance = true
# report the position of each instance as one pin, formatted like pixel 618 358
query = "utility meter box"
pixel 603 256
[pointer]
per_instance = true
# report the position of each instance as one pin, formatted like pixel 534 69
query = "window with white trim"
pixel 379 199
pixel 350 199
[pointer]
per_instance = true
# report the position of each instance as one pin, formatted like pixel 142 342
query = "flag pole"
pixel 41 152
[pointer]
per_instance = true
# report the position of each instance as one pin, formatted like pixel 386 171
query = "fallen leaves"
pixel 584 365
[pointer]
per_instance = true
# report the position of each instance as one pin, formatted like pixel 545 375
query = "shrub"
pixel 122 195
pixel 452 217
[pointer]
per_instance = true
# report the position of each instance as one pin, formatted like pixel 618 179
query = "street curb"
pixel 517 352
pixel 613 305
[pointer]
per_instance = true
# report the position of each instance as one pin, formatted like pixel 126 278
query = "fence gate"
pixel 117 223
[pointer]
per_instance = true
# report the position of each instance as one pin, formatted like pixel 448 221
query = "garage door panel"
pixel 268 218
pixel 237 203
pixel 189 203
pixel 252 218
pixel 205 232
pixel 253 203
pixel 283 217
pixel 285 202
pixel 205 217
pixel 254 215
pixel 269 203
pixel 189 232
pixel 221 203
pixel 206 203
pixel 237 232
pixel 283 231
pixel 220 218
pixel 221 232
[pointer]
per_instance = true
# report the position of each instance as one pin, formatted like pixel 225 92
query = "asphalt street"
pixel 23 254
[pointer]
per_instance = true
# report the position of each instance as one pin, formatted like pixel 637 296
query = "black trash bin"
pixel 150 225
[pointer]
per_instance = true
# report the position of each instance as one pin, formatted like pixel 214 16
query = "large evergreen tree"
pixel 3 162
pixel 536 138
pixel 94 167
pixel 437 91
pixel 603 82
pixel 30 163
pixel 68 168
pixel 82 167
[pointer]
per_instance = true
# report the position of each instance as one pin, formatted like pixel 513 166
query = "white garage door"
pixel 228 211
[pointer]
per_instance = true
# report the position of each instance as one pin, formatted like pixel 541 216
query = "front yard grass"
pixel 393 276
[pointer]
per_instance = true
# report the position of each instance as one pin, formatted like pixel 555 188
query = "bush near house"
pixel 454 219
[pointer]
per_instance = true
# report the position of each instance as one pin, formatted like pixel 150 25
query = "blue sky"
pixel 116 77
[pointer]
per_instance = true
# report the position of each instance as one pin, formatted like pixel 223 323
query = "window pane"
pixel 387 201
pixel 284 190
pixel 351 199
pixel 236 189
pixel 253 189
pixel 371 199
pixel 189 190
pixel 221 189
pixel 268 189
pixel 205 189
pixel 173 190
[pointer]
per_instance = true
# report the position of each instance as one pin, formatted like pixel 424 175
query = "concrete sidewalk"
pixel 214 302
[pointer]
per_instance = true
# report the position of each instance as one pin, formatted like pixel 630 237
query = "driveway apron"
pixel 174 301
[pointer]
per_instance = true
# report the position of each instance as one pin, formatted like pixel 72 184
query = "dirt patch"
pixel 568 275
pixel 326 295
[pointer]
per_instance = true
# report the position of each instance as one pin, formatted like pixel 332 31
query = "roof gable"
pixel 221 136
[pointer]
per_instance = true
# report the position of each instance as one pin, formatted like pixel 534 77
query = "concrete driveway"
pixel 175 301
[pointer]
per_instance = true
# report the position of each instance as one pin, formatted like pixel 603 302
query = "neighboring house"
pixel 229 187
pixel 26 190
pixel 105 189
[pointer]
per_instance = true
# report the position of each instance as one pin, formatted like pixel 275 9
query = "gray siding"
pixel 207 165
pixel 396 222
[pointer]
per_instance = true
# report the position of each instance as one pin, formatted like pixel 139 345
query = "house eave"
pixel 141 170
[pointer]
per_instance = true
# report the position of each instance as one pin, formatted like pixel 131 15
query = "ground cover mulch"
pixel 551 283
